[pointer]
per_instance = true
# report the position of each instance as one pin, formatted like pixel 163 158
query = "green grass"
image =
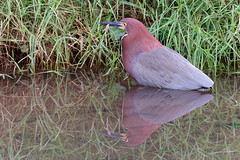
pixel 41 36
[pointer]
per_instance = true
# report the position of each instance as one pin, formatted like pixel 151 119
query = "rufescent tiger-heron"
pixel 152 64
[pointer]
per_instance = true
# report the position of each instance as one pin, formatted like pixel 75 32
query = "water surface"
pixel 85 117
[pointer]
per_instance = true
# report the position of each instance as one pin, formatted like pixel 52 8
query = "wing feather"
pixel 166 68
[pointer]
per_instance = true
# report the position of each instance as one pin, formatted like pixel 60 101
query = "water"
pixel 85 117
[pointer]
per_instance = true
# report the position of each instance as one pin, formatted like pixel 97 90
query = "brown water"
pixel 82 117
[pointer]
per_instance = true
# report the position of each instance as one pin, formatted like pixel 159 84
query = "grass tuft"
pixel 37 36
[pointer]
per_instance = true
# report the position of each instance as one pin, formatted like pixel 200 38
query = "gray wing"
pixel 166 68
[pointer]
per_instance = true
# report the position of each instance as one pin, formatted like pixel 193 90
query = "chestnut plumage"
pixel 152 64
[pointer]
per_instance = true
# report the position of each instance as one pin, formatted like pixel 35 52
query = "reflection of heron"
pixel 145 109
pixel 152 64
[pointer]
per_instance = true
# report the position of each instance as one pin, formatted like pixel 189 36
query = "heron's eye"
pixel 124 23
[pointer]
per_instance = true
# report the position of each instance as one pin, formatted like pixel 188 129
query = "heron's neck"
pixel 134 44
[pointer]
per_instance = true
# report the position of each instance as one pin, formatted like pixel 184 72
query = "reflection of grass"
pixel 58 35
pixel 54 118
pixel 64 118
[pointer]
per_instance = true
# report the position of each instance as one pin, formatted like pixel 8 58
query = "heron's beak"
pixel 120 25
